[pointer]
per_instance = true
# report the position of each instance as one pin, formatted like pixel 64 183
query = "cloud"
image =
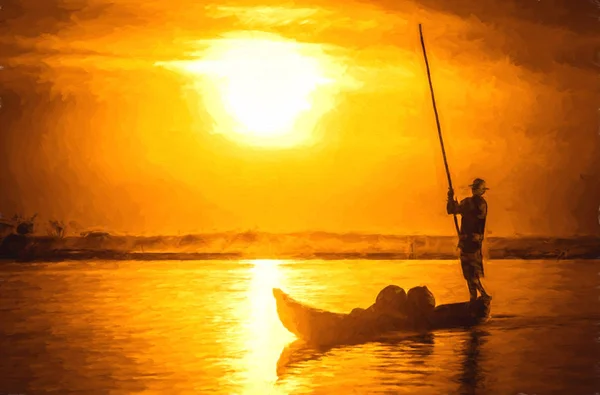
pixel 515 88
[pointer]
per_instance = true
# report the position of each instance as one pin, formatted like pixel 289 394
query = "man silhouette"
pixel 473 211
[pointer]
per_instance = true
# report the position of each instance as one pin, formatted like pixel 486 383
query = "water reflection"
pixel 212 327
pixel 265 336
pixel 415 349
pixel 405 362
pixel 295 353
pixel 472 375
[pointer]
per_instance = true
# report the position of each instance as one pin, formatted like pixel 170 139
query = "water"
pixel 211 328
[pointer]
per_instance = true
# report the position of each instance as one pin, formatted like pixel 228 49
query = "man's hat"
pixel 478 183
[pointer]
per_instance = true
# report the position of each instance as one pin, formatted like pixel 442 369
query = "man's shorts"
pixel 472 264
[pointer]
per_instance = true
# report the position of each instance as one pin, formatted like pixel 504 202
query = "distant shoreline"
pixel 64 256
pixel 305 246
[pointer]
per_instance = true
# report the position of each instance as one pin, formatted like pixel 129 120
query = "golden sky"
pixel 183 116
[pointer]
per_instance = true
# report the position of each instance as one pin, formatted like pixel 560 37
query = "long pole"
pixel 437 121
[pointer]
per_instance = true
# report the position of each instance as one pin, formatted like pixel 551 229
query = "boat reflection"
pixel 396 361
pixel 295 353
pixel 298 352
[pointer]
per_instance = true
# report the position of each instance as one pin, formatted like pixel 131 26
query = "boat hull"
pixel 322 327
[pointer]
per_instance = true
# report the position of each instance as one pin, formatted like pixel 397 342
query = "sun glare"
pixel 263 90
pixel 266 337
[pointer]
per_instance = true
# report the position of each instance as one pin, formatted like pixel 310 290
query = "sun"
pixel 264 90
pixel 266 86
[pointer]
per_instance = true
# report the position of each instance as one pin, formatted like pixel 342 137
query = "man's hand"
pixel 452 206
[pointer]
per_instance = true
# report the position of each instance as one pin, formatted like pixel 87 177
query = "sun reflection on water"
pixel 265 336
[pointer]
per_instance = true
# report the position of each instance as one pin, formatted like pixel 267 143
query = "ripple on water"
pixel 211 327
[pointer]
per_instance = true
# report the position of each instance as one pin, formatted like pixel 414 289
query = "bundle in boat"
pixel 393 311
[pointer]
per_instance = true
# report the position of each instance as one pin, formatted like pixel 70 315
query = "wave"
pixel 310 245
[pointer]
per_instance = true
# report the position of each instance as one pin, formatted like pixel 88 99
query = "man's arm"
pixel 482 215
pixel 482 210
pixel 452 207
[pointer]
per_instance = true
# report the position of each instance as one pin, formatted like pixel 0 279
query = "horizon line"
pixel 315 232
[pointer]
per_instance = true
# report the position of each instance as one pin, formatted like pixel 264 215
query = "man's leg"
pixel 479 287
pixel 469 275
pixel 478 273
pixel 472 289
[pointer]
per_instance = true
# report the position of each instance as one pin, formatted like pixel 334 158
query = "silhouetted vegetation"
pixel 25 226
pixel 56 229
